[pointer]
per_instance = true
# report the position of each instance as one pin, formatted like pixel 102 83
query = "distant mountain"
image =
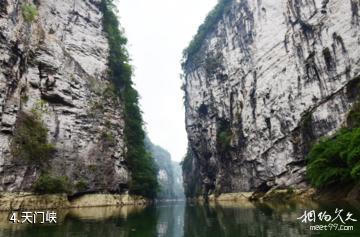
pixel 169 173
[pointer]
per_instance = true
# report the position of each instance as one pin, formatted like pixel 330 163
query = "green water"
pixel 184 220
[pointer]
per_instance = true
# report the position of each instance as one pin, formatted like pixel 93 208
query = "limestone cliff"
pixel 262 82
pixel 53 60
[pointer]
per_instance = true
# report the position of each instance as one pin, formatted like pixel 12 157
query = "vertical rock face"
pixel 57 65
pixel 269 78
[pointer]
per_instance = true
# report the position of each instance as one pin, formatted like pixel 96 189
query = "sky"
pixel 157 32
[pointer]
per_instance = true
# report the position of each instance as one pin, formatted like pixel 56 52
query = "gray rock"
pixel 58 64
pixel 268 80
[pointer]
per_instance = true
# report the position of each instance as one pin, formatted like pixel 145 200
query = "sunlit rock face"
pixel 58 65
pixel 268 80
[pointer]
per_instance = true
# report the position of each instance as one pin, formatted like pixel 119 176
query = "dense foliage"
pixel 29 12
pixel 81 185
pixel 209 24
pixel 30 140
pixel 142 166
pixel 47 184
pixel 336 160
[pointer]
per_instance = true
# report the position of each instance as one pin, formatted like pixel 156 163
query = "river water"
pixel 182 219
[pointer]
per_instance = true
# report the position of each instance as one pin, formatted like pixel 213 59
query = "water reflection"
pixel 171 220
pixel 234 220
pixel 182 220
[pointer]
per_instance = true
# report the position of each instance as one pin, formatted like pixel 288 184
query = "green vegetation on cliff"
pixel 47 184
pixel 209 25
pixel 140 162
pixel 30 141
pixel 336 160
pixel 29 12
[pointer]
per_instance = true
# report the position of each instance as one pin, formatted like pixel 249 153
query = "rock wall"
pixel 269 79
pixel 57 64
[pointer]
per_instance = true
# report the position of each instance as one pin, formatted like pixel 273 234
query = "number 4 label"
pixel 13 217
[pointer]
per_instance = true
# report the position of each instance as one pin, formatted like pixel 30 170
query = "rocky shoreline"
pixel 30 201
pixel 351 193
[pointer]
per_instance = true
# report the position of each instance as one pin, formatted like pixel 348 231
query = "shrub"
pixel 47 184
pixel 24 98
pixel 290 190
pixel 108 138
pixel 93 168
pixel 224 140
pixel 30 139
pixel 29 12
pixel 335 160
pixel 81 185
pixel 109 92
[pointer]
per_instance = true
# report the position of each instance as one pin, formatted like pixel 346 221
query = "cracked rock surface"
pixel 268 80
pixel 58 64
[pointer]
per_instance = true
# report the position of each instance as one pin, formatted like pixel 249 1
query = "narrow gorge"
pixel 259 115
pixel 263 81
